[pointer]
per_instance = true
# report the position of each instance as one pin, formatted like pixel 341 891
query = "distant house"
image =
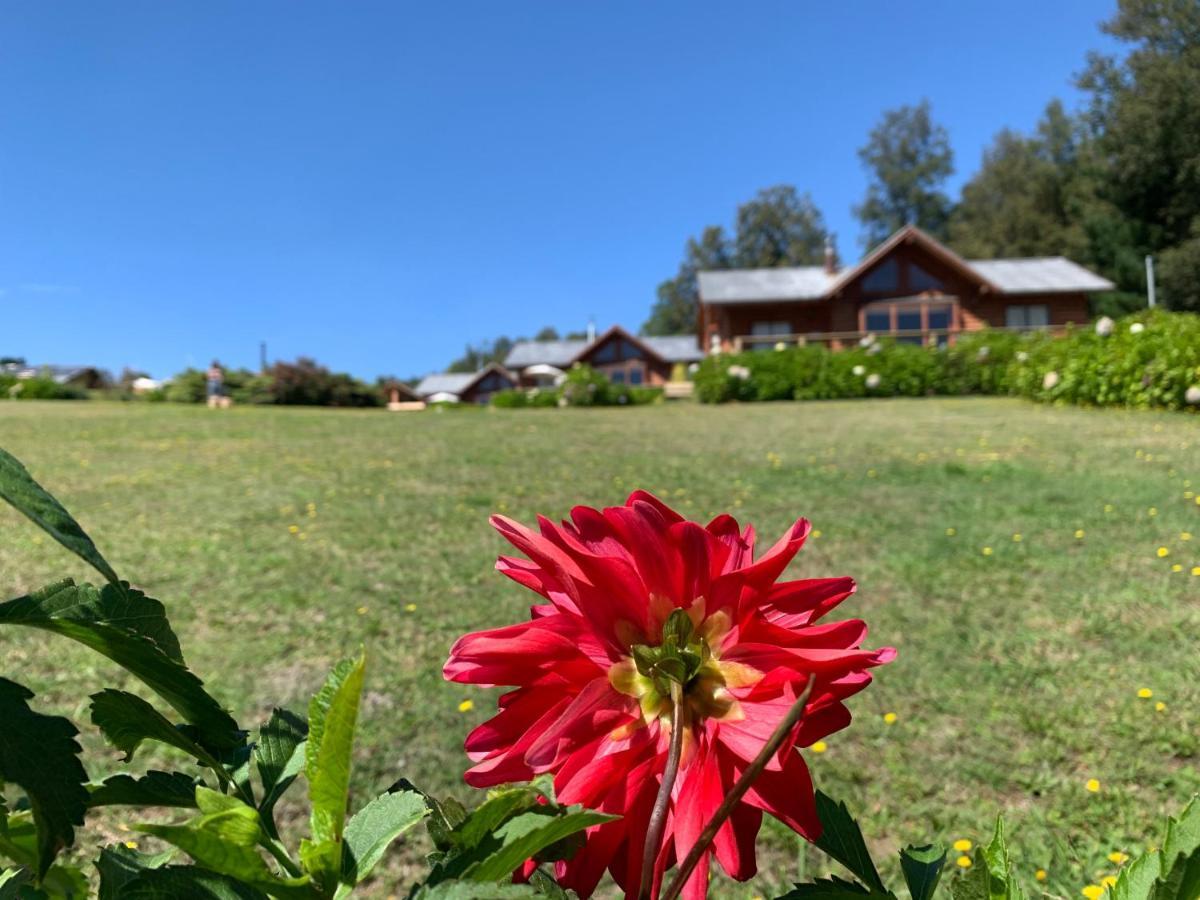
pixel 621 356
pixel 88 377
pixel 465 387
pixel 910 287
pixel 401 397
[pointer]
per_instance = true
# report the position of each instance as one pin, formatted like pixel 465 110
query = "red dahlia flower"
pixel 588 705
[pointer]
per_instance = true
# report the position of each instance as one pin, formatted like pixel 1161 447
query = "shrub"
pixel 584 386
pixel 40 388
pixel 1148 360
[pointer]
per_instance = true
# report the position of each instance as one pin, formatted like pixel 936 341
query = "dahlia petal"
pixel 792 604
pixel 646 497
pixel 787 795
pixel 832 635
pixel 593 713
pixel 734 843
pixel 506 765
pixel 739 546
pixel 766 657
pixel 696 798
pixel 514 654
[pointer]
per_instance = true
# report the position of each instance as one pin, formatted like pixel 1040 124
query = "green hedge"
pixel 1151 359
pixel 38 388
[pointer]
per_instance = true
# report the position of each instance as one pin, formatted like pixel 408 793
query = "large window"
pixel 768 329
pixel 920 280
pixel 914 319
pixel 635 376
pixel 1029 315
pixel 884 277
pixel 616 350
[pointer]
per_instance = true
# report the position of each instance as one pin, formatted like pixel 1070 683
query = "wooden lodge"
pixel 620 356
pixel 911 287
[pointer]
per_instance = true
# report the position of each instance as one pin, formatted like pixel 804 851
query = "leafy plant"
pixel 231 846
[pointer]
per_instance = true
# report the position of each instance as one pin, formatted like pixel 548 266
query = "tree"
pixel 1020 202
pixel 909 159
pixel 778 227
pixel 549 333
pixel 674 312
pixel 1146 126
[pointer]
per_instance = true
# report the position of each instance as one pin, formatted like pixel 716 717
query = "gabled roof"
pixel 459 383
pixel 553 353
pixel 801 283
pixel 669 348
pixel 1040 275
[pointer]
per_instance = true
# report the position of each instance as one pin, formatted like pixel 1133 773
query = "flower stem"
pixel 658 816
pixel 782 730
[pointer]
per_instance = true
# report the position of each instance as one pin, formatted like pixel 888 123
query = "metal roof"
pixel 553 353
pixel 445 383
pixel 751 285
pixel 1036 275
pixel 675 347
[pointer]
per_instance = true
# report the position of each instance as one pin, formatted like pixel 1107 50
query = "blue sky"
pixel 376 184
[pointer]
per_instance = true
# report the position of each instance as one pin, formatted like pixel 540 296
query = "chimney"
pixel 591 330
pixel 831 260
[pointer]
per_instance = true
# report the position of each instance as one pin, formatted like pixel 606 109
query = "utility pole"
pixel 1150 279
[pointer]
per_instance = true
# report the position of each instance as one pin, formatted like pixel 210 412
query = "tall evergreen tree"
pixel 909 158
pixel 674 312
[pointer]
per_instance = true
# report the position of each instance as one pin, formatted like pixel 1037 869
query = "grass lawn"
pixel 1009 551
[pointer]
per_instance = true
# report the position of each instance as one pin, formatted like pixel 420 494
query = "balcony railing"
pixel 840 339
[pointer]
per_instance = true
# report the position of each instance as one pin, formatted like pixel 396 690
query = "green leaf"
pixel 831 888
pixel 842 839
pixel 374 827
pixel 126 720
pixel 174 882
pixel 225 838
pixel 332 716
pixel 11 882
pixel 501 804
pixel 519 839
pixel 1137 880
pixel 922 868
pixel 108 622
pixel 151 789
pixel 1180 860
pixel 468 890
pixel 990 877
pixel 18 488
pixel 546 886
pixel 279 755
pixel 118 865
pixel 39 753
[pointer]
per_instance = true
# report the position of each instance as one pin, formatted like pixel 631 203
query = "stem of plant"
pixel 277 850
pixel 778 736
pixel 658 816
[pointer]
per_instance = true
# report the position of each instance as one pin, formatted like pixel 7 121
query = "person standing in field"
pixel 215 382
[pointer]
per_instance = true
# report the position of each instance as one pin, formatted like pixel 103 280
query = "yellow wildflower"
pixel 987 551
pixel 1145 693
pixel 294 529
pixel 1093 892
pixel 1079 532
pixel 819 747
pixel 1160 706
pixel 1040 875
pixel 1108 880
pixel 410 607
pixel 816 533
pixel 889 718
pixel 1177 567
pixel 951 532
pixel 1017 538
pixel 1196 570
pixel 1185 535
pixel 1117 857
pixel 963 862
pixel 1163 552
pixel 132 845
pixel 466 706
pixel 962 845
pixel 1152 511
pixel 362 610
pixel 1092 785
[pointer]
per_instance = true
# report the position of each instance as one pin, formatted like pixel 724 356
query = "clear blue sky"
pixel 375 184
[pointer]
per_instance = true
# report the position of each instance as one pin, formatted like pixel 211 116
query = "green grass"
pixel 1017 675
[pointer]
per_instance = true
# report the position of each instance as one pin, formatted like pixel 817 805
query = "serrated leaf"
pixel 118 865
pixel 469 890
pixel 127 720
pixel 922 868
pixel 101 619
pixel 373 828
pixel 842 839
pixel 225 837
pixel 545 886
pixel 332 716
pixel 152 789
pixel 1180 862
pixel 279 755
pixel 39 753
pixel 831 888
pixel 518 839
pixel 174 882
pixel 501 804
pixel 1136 881
pixel 18 487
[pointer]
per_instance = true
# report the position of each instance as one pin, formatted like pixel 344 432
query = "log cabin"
pixel 911 287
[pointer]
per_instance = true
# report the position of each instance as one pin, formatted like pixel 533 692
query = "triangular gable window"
pixel 884 277
pixel 920 280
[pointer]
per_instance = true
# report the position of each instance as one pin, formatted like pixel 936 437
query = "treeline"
pixel 304 382
pixel 476 356
pixel 1106 186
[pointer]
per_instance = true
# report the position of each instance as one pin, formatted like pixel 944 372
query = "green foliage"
pixel 909 159
pixel 1171 873
pixel 922 869
pixel 1148 361
pixel 39 387
pixel 522 398
pixel 39 753
pixel 842 839
pixel 233 844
